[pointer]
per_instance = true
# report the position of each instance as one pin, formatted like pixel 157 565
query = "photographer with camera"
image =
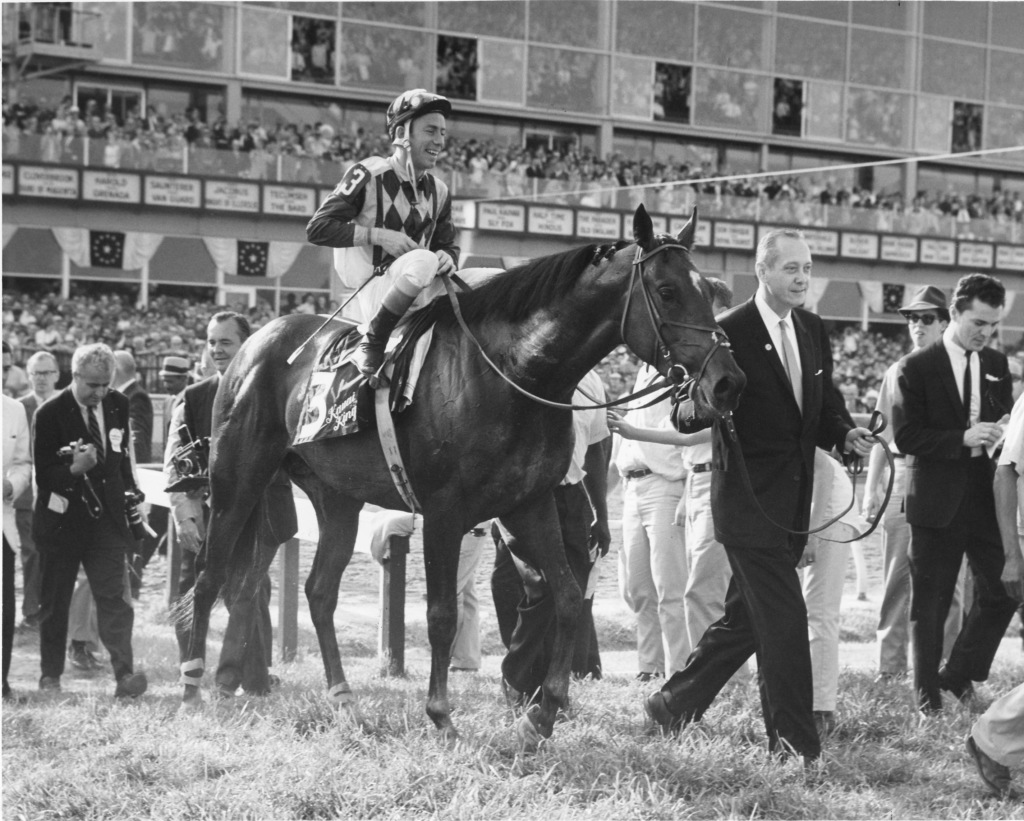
pixel 83 464
pixel 244 660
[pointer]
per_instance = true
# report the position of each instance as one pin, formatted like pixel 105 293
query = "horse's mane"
pixel 519 291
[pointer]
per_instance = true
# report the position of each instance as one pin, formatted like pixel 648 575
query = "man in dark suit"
pixel 951 405
pixel 140 406
pixel 80 514
pixel 789 407
pixel 244 659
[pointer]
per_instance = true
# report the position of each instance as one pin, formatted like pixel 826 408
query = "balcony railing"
pixel 171 154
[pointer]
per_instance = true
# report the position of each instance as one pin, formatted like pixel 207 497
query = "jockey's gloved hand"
pixel 446 265
pixel 394 242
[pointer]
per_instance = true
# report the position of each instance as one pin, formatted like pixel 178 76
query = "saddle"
pixel 338 400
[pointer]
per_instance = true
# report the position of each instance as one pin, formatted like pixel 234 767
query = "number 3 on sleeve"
pixel 353 181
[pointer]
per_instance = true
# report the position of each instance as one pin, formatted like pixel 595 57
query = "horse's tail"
pixel 181 611
pixel 245 563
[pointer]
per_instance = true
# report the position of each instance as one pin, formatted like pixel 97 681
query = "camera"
pixel 191 462
pixel 139 527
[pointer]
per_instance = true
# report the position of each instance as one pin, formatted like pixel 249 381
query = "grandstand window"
pixel 313 46
pixel 1003 128
pixel 501 76
pixel 824 111
pixel 580 23
pixel 953 69
pixel 809 49
pixel 672 92
pixel 184 35
pixel 506 18
pixel 565 80
pixel 957 19
pixel 655 29
pixel 116 100
pixel 733 38
pixel 403 14
pixel 1007 24
pixel 386 58
pixel 730 99
pixel 632 87
pixel 171 100
pixel 877 117
pixel 932 131
pixel 788 108
pixel 882 15
pixel 880 59
pixel 110 37
pixel 266 49
pixel 276 111
pixel 966 127
pixel 824 10
pixel 456 67
pixel 1006 83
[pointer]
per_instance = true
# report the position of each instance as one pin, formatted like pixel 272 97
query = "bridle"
pixel 684 384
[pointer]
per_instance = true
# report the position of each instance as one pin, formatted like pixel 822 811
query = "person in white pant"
pixel 927 316
pixel 996 741
pixel 652 563
pixel 466 647
pixel 824 572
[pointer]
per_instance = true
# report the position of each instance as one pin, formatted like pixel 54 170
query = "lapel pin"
pixel 767 347
pixel 819 372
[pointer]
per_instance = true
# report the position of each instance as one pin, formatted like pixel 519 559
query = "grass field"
pixel 80 755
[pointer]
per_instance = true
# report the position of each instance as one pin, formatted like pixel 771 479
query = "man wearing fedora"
pixel 952 404
pixel 927 318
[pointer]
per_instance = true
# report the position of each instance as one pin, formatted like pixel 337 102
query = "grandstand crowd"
pixel 318 152
pixel 170 325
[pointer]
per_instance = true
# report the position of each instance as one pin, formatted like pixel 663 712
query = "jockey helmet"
pixel 414 103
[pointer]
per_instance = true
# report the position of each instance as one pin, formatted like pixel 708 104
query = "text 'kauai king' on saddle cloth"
pixel 338 401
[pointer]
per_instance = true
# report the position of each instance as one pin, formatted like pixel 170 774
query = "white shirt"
pixel 886 393
pixel 958 359
pixel 99 418
pixel 589 426
pixel 665 460
pixel 1013 455
pixel 17 463
pixel 771 322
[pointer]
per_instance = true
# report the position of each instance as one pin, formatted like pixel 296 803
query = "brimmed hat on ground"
pixel 175 366
pixel 928 298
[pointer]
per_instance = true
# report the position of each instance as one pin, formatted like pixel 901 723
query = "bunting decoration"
pixel 125 251
pixel 251 258
pixel 106 249
pixel 892 298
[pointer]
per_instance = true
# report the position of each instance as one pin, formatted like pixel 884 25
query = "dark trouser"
pixel 525 607
pixel 935 558
pixel 243 660
pixel 158 517
pixel 100 550
pixel 29 564
pixel 764 615
pixel 9 609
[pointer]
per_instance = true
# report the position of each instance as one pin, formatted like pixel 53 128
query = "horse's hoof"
pixel 528 730
pixel 449 736
pixel 349 714
pixel 190 705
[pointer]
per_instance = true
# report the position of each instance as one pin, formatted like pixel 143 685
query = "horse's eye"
pixel 667 294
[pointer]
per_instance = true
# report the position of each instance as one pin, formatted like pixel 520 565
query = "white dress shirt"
pixel 771 321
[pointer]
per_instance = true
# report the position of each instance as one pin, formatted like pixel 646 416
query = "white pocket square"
pixel 819 372
pixel 992 378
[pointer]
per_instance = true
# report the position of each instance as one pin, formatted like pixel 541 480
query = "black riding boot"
pixel 369 355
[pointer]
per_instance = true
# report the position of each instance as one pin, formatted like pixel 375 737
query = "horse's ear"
pixel 643 228
pixel 685 237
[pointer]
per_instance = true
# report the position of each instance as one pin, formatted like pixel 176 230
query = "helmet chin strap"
pixel 402 141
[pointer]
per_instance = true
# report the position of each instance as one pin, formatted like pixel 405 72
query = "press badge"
pixel 116 435
pixel 57 503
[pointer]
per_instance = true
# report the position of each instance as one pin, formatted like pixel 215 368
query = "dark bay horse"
pixel 473 447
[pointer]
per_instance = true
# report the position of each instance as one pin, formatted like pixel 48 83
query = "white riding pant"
pixel 466 647
pixel 999 731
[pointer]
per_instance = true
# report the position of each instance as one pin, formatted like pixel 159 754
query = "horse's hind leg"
pixel 533 533
pixel 338 519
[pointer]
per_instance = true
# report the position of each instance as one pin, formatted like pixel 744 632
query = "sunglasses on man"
pixel 924 319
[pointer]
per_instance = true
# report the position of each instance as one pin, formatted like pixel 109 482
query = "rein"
pixel 853 466
pixel 661 350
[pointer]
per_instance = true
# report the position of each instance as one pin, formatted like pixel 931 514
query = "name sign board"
pixel 938 251
pixel 463 214
pixel 598 225
pixel 174 192
pixel 222 195
pixel 58 183
pixel 899 249
pixel 974 255
pixel 702 236
pixel 499 216
pixel 734 235
pixel 822 243
pixel 111 186
pixel 8 179
pixel 289 201
pixel 556 221
pixel 859 246
pixel 1010 257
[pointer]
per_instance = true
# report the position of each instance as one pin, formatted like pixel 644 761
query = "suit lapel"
pixel 944 366
pixel 766 348
pixel 806 352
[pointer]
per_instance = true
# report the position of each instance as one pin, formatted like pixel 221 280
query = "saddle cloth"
pixel 338 400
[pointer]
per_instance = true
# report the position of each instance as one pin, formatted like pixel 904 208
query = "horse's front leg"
pixel 442 541
pixel 533 535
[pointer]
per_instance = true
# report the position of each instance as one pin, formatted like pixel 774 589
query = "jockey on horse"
pixel 389 218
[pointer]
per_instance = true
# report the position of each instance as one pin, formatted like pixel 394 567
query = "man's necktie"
pixel 95 435
pixel 967 391
pixel 788 361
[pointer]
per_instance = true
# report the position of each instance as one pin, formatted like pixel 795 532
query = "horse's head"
pixel 668 320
